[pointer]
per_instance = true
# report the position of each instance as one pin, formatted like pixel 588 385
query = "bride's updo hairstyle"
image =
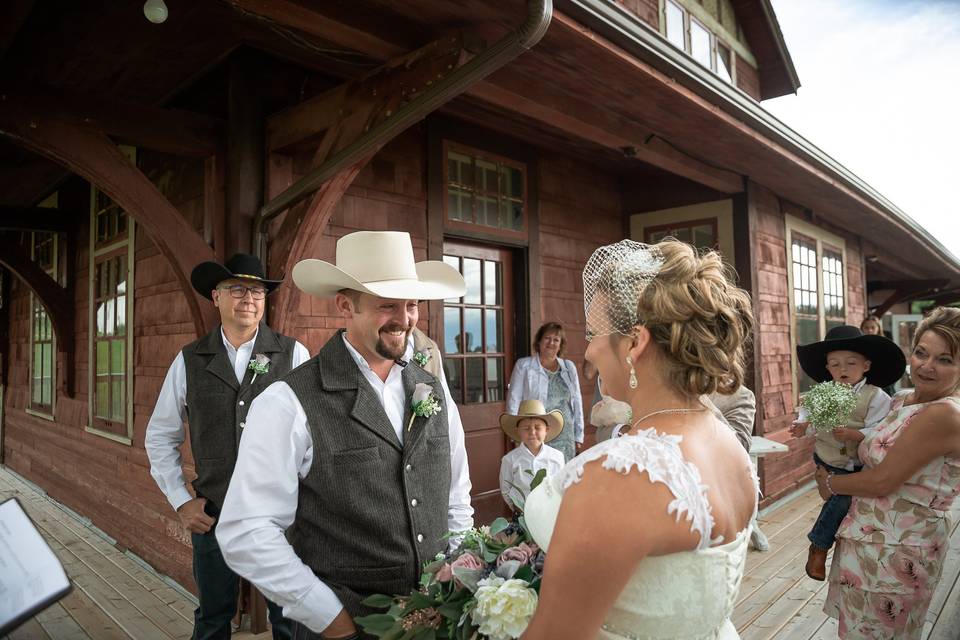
pixel 698 319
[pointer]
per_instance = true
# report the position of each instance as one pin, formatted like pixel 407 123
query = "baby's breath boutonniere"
pixel 421 358
pixel 259 363
pixel 830 405
pixel 424 403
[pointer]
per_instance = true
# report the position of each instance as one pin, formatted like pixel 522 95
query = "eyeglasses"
pixel 239 291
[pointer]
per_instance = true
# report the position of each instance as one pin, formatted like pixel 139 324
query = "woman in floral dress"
pixel 892 544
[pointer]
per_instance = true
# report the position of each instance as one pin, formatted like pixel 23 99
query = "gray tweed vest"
pixel 371 510
pixel 217 404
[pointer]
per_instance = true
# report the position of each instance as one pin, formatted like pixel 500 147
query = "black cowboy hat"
pixel 207 275
pixel 887 362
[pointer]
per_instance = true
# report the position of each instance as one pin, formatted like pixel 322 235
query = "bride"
pixel 650 538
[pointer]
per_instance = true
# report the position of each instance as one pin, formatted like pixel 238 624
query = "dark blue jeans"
pixel 825 529
pixel 219 587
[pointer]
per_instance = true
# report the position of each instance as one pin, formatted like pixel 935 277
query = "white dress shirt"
pixel 165 431
pixel 275 453
pixel 877 410
pixel 518 467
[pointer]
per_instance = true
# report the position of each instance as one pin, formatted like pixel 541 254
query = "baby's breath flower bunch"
pixel 829 405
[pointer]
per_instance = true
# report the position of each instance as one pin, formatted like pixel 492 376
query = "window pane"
pixel 703 236
pixel 472 331
pixel 471 273
pixel 459 169
pixel 458 205
pixel 700 44
pixel 512 214
pixel 118 363
pixel 487 179
pixel 102 405
pixel 121 305
pixel 494 330
pixel 807 330
pixel 491 282
pixel 495 380
pixel 474 380
pixel 452 367
pixel 724 63
pixel 103 357
pixel 451 330
pixel 117 396
pixel 674 20
pixel 488 211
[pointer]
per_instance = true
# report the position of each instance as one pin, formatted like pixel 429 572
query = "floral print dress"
pixel 891 549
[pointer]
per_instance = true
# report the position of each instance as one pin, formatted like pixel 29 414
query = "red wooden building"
pixel 509 138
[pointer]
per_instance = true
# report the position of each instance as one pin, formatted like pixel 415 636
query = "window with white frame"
pixel 43 351
pixel 816 281
pixel 111 318
pixel 690 34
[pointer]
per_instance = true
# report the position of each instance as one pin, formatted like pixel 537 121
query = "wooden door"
pixel 478 352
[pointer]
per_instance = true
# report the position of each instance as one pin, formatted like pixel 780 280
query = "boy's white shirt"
pixel 877 410
pixel 517 462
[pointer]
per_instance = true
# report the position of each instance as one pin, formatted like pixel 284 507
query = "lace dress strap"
pixel 660 456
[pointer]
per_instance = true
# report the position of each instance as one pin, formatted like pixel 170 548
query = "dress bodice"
pixel 688 595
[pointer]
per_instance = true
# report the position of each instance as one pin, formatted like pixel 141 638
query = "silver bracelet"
pixel 829 488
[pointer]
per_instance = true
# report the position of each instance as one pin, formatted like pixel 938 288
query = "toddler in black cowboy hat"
pixel 867 363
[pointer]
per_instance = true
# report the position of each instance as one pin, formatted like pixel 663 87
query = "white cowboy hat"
pixel 532 409
pixel 379 263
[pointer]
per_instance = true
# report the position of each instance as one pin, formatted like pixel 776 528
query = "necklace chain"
pixel 663 411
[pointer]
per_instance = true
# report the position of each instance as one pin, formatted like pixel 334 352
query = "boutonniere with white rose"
pixel 259 364
pixel 423 403
pixel 421 358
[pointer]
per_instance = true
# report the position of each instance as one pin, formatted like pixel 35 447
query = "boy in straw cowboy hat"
pixel 352 470
pixel 531 427
pixel 211 384
pixel 867 363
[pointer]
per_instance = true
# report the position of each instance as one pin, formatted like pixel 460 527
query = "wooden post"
pixel 245 153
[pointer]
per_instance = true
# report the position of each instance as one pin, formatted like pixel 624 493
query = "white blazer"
pixel 529 381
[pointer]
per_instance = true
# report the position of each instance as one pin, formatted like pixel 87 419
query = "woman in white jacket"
pixel 553 381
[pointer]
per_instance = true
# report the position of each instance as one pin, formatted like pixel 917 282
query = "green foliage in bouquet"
pixel 485 590
pixel 829 405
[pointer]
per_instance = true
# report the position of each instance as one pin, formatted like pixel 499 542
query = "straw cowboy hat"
pixel 887 362
pixel 379 263
pixel 532 409
pixel 241 266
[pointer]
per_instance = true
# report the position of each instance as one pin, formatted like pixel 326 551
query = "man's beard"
pixel 386 350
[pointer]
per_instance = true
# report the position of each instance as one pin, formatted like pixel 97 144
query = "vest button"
pixel 241 403
pixel 409 467
pixel 243 424
pixel 419 537
pixel 414 502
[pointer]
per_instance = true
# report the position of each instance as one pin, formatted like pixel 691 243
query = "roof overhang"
pixel 778 76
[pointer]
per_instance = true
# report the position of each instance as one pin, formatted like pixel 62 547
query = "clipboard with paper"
pixel 31 576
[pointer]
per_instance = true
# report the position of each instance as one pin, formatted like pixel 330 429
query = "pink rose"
pixel 522 553
pixel 867 529
pixel 888 611
pixel 909 571
pixel 466 561
pixel 445 573
pixel 850 579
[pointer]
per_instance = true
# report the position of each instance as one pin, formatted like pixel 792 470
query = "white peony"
pixel 504 607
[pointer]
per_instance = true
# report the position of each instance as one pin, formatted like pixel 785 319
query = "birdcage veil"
pixel 613 279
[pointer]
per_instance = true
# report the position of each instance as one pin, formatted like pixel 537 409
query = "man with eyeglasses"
pixel 211 384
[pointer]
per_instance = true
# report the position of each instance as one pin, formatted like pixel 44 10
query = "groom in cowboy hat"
pixel 211 384
pixel 342 488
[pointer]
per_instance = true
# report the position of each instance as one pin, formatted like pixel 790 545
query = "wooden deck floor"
pixel 115 597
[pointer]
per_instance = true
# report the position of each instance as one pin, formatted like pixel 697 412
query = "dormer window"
pixel 689 33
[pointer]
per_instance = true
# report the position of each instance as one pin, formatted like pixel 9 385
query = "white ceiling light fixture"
pixel 155 11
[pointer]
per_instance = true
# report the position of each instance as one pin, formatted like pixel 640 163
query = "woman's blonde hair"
pixel 699 319
pixel 945 322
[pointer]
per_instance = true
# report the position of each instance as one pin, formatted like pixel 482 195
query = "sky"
pixel 880 93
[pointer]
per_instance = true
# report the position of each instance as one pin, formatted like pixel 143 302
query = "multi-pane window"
pixel 817 285
pixel 700 233
pixel 484 190
pixel 43 351
pixel 473 338
pixel 691 35
pixel 110 315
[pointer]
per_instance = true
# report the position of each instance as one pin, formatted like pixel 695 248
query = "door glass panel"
pixel 451 330
pixel 454 378
pixel 471 274
pixel 491 282
pixel 494 330
pixel 472 331
pixel 454 262
pixel 495 379
pixel 474 380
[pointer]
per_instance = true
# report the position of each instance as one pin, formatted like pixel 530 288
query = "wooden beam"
pixel 400 78
pixel 589 121
pixel 244 170
pixel 177 132
pixel 58 304
pixel 96 159
pixel 295 16
pixel 34 219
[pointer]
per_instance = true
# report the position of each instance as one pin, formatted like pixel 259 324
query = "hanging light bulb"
pixel 155 11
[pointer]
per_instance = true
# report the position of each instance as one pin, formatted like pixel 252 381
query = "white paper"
pixel 30 573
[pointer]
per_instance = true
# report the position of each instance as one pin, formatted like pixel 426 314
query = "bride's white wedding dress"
pixel 688 595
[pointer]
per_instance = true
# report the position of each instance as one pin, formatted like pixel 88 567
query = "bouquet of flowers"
pixel 829 405
pixel 485 590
